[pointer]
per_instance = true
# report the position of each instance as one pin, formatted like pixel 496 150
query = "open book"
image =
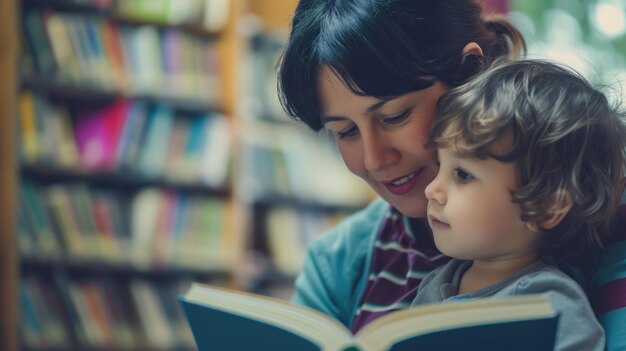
pixel 223 319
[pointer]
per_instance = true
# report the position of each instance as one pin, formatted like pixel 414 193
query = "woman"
pixel 371 72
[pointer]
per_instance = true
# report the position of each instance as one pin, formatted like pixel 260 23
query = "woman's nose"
pixel 378 152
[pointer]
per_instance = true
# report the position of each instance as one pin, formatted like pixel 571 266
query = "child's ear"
pixel 561 205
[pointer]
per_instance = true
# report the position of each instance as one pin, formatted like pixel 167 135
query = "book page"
pixel 429 318
pixel 303 321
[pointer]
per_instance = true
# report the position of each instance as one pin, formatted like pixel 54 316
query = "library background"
pixel 149 150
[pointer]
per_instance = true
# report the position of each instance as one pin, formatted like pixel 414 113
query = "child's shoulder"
pixel 548 278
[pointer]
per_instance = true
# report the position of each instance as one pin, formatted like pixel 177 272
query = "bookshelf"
pixel 95 219
pixel 124 153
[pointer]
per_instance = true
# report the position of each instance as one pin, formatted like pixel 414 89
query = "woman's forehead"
pixel 333 92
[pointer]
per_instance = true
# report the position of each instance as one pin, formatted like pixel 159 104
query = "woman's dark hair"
pixel 568 140
pixel 386 48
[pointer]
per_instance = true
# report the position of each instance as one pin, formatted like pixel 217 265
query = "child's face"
pixel 470 209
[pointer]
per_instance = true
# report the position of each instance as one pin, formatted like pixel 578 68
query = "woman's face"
pixel 384 141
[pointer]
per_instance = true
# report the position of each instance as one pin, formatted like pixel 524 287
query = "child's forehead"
pixel 454 144
pixel 456 148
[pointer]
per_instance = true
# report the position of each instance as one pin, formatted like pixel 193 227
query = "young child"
pixel 531 170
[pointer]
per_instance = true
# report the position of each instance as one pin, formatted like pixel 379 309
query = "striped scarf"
pixel 400 261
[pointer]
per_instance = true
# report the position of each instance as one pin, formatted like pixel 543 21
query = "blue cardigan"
pixel 336 266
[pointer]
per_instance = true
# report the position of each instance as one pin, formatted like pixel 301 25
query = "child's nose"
pixel 435 192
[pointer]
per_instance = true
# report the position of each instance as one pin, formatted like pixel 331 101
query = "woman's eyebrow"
pixel 375 106
pixel 328 119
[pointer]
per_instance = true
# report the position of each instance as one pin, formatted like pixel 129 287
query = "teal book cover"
pixel 524 335
pixel 222 319
pixel 219 330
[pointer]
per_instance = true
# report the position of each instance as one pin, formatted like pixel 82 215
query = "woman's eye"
pixel 348 133
pixel 394 120
pixel 462 175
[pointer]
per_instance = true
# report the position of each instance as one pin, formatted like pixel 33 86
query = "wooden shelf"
pixel 294 202
pixel 93 348
pixel 126 180
pixel 92 95
pixel 103 267
pixel 66 5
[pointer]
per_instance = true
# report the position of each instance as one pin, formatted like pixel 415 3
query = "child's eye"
pixel 398 119
pixel 348 133
pixel 462 175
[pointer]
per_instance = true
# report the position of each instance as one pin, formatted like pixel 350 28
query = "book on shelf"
pixel 114 52
pixel 215 153
pixel 209 14
pixel 159 126
pixel 98 133
pixel 152 227
pixel 60 312
pixel 151 140
pixel 39 43
pixel 265 53
pixel 223 319
pixel 133 133
pixel 216 14
pixel 289 231
pixel 46 132
pixel 177 229
pixel 29 145
pixel 154 320
pixel 37 223
pixel 98 312
pixel 56 27
pixel 288 163
pixel 30 326
pixel 42 322
pixel 160 316
pixel 95 51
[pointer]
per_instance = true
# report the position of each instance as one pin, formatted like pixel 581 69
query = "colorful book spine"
pixel 98 135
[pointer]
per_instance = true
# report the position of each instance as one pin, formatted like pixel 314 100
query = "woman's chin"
pixel 413 213
pixel 410 207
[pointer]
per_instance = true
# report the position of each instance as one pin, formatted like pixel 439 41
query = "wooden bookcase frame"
pixel 8 175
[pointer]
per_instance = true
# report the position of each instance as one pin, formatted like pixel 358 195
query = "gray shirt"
pixel 578 328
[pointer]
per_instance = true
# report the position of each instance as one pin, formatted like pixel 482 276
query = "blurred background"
pixel 153 151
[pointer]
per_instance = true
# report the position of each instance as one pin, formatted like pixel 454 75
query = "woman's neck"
pixel 421 232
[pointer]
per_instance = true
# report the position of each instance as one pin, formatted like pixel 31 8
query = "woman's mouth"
pixel 402 185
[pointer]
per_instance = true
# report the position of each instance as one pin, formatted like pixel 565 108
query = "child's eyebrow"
pixel 454 151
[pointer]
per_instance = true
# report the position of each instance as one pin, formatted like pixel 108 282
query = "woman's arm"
pixel 608 293
pixel 336 265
